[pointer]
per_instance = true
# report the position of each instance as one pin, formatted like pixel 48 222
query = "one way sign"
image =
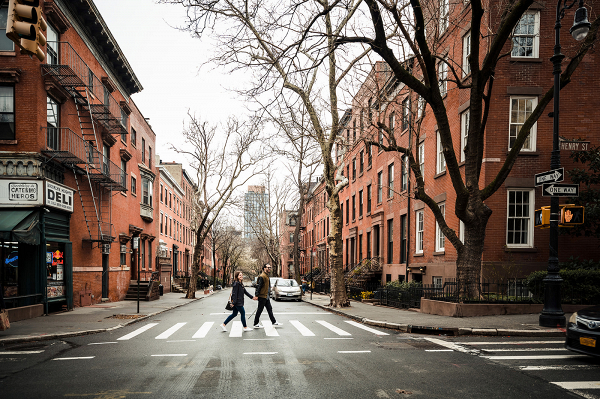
pixel 552 176
pixel 560 190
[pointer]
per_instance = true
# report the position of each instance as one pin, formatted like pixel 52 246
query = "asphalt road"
pixel 183 353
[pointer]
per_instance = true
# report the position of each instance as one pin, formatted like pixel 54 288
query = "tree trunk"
pixel 191 292
pixel 339 297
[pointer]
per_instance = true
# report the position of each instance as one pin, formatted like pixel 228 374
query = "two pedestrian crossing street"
pixel 235 330
pixel 545 359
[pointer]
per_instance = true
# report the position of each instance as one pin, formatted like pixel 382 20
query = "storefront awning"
pixel 20 225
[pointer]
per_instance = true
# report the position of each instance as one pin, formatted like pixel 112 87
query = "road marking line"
pixel 74 358
pixel 560 367
pixel 236 329
pixel 20 353
pixel 270 330
pixel 578 384
pixel 280 313
pixel 171 354
pixel 260 353
pixel 448 345
pixel 202 331
pixel 512 343
pixel 302 328
pixel 353 351
pixel 525 350
pixel 533 357
pixel 258 339
pixel 374 331
pixel 333 328
pixel 183 340
pixel 103 343
pixel 439 350
pixel 170 331
pixel 338 338
pixel 137 332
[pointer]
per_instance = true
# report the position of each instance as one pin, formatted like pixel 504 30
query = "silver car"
pixel 287 289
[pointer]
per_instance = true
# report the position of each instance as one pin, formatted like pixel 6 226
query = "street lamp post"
pixel 552 315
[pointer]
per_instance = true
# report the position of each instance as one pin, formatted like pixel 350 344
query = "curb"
pixel 16 340
pixel 428 330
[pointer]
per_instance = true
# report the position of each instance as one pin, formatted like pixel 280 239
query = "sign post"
pixel 552 176
pixel 136 246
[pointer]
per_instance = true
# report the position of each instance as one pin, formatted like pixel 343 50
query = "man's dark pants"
pixel 264 303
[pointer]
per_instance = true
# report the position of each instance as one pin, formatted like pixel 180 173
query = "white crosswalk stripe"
pixel 333 328
pixel 374 331
pixel 270 330
pixel 236 329
pixel 302 328
pixel 201 333
pixel 137 332
pixel 170 331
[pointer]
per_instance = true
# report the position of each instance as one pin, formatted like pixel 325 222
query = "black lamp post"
pixel 552 315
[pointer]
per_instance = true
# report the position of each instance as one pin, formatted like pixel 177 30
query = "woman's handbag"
pixel 4 323
pixel 229 305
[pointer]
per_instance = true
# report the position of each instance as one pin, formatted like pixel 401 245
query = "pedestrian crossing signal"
pixel 571 215
pixel 542 217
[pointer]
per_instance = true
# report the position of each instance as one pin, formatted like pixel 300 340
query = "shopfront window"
pixel 55 253
pixel 9 270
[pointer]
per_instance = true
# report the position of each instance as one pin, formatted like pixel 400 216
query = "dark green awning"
pixel 19 225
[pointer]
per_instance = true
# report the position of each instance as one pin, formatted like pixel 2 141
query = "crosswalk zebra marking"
pixel 236 329
pixel 542 357
pixel 561 367
pixel 302 328
pixel 477 343
pixel 374 331
pixel 137 332
pixel 202 331
pixel 170 331
pixel 570 385
pixel 270 330
pixel 333 328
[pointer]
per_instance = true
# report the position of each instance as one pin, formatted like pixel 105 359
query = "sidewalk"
pixel 91 319
pixel 412 321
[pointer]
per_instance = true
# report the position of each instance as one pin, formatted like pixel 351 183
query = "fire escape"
pixel 101 118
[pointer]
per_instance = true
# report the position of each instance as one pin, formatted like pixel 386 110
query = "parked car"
pixel 583 331
pixel 287 289
pixel 273 281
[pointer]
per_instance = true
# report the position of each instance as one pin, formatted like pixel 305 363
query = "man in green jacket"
pixel 263 292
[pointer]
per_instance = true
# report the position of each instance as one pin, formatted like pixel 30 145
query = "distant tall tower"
pixel 256 205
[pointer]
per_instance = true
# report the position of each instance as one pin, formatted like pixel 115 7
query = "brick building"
pixel 77 180
pixel 396 236
pixel 287 227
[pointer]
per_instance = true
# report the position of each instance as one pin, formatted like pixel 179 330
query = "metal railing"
pixel 65 146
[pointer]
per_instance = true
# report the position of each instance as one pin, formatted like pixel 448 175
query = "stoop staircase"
pixel 144 291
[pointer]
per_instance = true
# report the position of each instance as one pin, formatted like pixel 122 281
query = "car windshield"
pixel 287 283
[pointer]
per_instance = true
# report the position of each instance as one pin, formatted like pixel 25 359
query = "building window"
pixel 437 282
pixel 52 123
pixel 291 237
pixel 403 227
pixel 106 159
pixel 526 36
pixel 390 180
pixel 391 122
pixel 419 230
pixel 390 251
pixel 52 46
pixel 5 43
pixel 150 157
pixel 347 211
pixel 7 112
pixel 360 204
pixel 405 113
pixel 519 218
pixel 342 211
pixel 440 240
pixel 133 137
pixel 123 254
pixel 369 155
pixel 360 250
pixel 146 191
pixel 368 245
pixel 379 187
pixel 380 137
pixel 422 159
pixel 466 53
pixel 441 159
pixel 143 150
pixel 404 169
pixel 161 223
pixel 361 164
pixel 161 193
pixel 369 198
pixel 442 78
pixel 353 207
pixel 123 173
pixel 444 14
pixel 421 104
pixel 133 185
pixel 464 133
pixel 354 129
pixel 520 109
pixel 354 169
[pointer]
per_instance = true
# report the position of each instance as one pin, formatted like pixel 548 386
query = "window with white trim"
pixel 461 232
pixel 466 53
pixel 520 109
pixel 441 159
pixel 464 133
pixel 390 180
pixel 422 159
pixel 440 239
pixel 442 78
pixel 444 14
pixel 519 218
pixel 419 215
pixel 526 36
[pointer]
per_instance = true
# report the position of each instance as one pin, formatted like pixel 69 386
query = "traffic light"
pixel 571 215
pixel 542 217
pixel 25 25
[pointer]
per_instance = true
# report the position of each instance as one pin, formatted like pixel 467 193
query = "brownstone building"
pixel 393 236
pixel 76 167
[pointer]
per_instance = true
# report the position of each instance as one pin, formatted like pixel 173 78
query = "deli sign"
pixel 58 196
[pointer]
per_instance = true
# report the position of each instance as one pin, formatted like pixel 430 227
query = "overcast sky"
pixel 168 63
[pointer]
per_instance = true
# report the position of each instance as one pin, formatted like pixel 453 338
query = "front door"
pixel 104 275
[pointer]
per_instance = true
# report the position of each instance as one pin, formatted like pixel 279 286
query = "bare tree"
pixel 222 163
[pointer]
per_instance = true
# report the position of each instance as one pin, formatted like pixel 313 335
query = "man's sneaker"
pixel 278 324
pixel 223 327
pixel 257 326
pixel 247 329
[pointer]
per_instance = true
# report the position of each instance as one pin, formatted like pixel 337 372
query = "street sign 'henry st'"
pixel 552 176
pixel 560 190
pixel 575 145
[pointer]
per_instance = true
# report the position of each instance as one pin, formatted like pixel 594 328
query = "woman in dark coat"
pixel 237 298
